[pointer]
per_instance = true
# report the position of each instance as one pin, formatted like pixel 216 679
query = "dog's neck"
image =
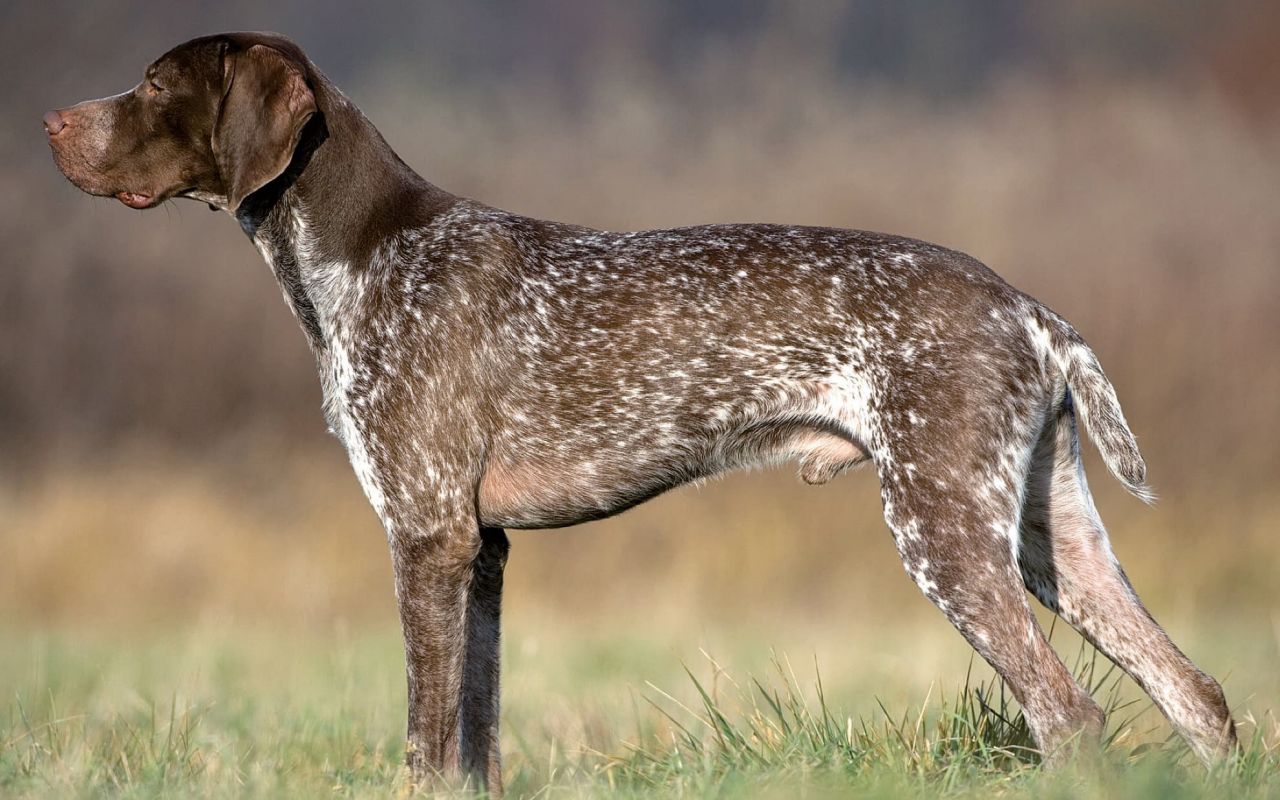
pixel 343 194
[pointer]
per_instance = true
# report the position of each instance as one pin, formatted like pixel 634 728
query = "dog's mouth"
pixel 136 199
pixel 87 177
pixel 90 183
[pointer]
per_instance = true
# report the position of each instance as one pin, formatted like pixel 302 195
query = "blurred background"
pixel 164 463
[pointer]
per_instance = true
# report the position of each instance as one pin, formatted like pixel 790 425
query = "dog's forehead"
pixel 205 54
pixel 194 57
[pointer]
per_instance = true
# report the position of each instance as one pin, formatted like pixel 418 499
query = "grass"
pixel 229 714
pixel 273 692
pixel 103 694
pixel 976 742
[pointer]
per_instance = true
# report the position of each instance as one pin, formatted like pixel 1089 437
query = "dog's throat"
pixel 280 252
pixel 266 217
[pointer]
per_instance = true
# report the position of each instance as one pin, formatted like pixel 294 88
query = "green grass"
pixel 769 736
pixel 262 715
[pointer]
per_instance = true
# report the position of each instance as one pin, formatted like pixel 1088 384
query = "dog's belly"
pixel 545 493
pixel 550 492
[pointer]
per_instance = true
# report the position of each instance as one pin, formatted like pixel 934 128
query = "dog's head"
pixel 214 119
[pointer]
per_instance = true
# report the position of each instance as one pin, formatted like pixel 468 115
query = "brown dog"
pixel 488 371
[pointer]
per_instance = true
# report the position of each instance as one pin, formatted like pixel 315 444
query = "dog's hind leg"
pixel 952 499
pixel 1067 562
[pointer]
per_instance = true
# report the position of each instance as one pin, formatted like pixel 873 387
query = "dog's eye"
pixel 153 87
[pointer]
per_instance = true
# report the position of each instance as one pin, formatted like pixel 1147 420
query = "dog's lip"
pixel 135 199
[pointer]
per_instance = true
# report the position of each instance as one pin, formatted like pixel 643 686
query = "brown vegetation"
pixel 161 443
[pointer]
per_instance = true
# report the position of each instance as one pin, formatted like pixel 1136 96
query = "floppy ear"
pixel 265 104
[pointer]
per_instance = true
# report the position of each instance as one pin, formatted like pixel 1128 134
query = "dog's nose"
pixel 53 122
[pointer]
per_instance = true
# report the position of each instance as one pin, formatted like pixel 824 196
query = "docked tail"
pixel 1095 401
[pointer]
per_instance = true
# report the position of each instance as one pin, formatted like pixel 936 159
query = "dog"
pixel 487 371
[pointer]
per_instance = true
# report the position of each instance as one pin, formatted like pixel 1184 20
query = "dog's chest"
pixel 353 375
pixel 342 382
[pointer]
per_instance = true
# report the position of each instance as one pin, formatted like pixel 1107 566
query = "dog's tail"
pixel 1095 400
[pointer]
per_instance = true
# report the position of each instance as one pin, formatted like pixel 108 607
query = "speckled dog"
pixel 488 371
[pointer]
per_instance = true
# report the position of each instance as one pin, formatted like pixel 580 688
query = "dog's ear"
pixel 265 104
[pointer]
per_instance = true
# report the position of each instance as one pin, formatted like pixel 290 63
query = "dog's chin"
pixel 131 199
pixel 96 186
pixel 137 200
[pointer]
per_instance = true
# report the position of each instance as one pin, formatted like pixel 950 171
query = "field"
pixel 265 669
pixel 256 714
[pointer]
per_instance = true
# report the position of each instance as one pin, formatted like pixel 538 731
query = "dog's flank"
pixel 486 370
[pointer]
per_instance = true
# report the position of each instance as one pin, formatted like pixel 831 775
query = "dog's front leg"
pixel 434 555
pixel 481 669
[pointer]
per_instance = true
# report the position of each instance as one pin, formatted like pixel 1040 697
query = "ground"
pixel 216 711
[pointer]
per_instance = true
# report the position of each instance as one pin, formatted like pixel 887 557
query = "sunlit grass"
pixel 220 714
pixel 767 736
